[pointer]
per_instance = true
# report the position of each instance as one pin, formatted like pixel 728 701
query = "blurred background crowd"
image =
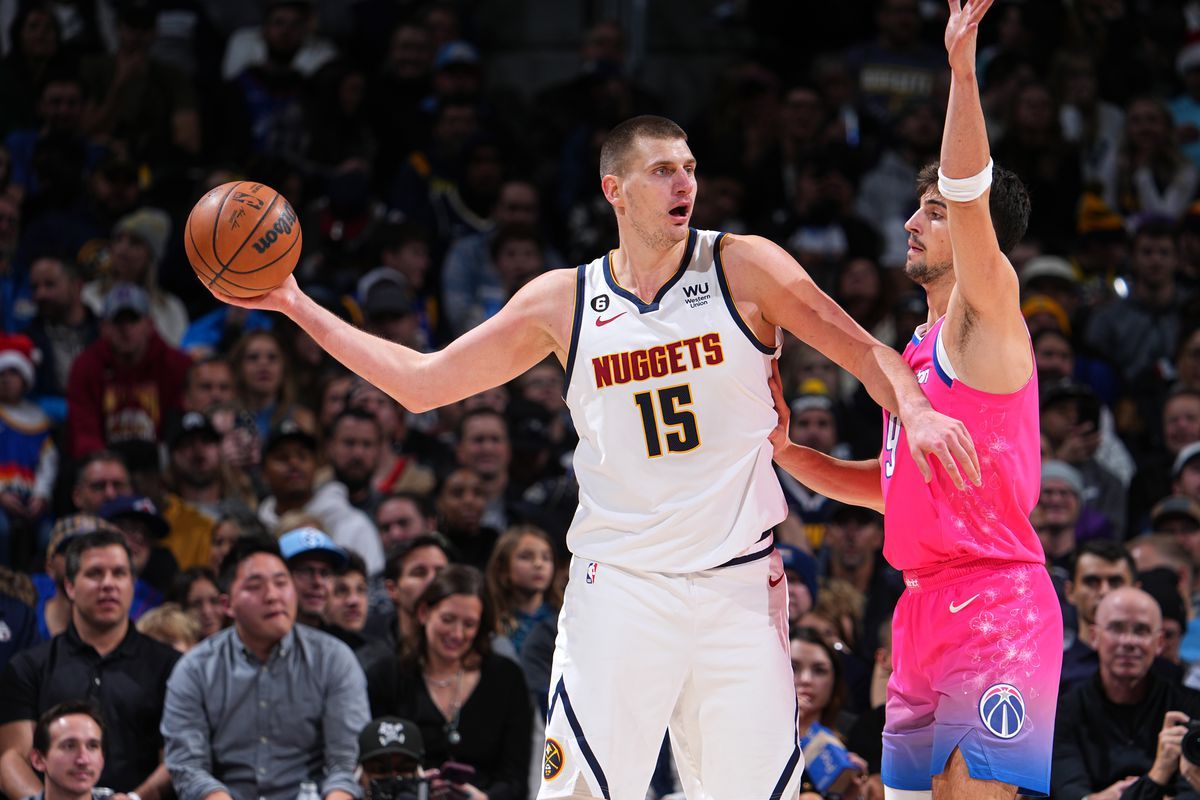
pixel 440 155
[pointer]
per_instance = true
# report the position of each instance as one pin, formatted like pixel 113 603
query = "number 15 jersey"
pixel 672 406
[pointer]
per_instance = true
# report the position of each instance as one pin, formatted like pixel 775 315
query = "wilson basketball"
pixel 242 238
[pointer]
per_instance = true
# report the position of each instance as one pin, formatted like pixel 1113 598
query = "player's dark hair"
pixel 92 540
pixel 1105 550
pixel 41 731
pixel 457 579
pixel 1008 203
pixel 243 548
pixel 837 696
pixel 623 138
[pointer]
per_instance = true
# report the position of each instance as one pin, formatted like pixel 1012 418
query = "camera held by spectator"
pixel 390 750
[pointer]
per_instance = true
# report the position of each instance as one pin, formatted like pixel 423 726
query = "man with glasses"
pixel 312 558
pixel 1119 735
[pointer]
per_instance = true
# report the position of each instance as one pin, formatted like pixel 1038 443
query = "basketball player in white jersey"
pixel 675 614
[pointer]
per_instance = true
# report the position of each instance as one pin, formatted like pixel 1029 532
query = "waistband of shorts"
pixel 763 552
pixel 939 575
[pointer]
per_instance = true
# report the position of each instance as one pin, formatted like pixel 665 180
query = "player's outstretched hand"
pixel 947 440
pixel 779 436
pixel 962 29
pixel 278 299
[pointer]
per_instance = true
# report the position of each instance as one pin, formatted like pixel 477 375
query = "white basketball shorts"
pixel 703 654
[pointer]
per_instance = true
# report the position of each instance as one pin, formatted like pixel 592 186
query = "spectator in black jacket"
pixel 1118 735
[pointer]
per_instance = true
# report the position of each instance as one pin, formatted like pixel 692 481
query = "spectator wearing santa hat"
pixel 28 458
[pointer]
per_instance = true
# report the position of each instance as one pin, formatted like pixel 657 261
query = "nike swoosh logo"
pixel 774 582
pixel 954 609
pixel 602 322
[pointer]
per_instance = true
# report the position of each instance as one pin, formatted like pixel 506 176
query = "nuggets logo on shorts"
pixel 591 573
pixel 553 763
pixel 1002 709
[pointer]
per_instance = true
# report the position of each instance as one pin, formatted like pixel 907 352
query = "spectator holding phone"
pixel 471 705
pixel 820 693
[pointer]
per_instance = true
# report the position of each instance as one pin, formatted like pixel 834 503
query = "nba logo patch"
pixel 1002 709
pixel 590 576
pixel 553 762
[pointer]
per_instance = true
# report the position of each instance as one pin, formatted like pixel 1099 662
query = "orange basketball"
pixel 243 238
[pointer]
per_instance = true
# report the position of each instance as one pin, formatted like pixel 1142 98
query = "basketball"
pixel 242 238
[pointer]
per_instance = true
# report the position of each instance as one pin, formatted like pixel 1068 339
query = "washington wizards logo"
pixel 1002 709
pixel 554 760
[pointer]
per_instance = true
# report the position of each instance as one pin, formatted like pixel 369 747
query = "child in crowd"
pixel 28 457
pixel 520 577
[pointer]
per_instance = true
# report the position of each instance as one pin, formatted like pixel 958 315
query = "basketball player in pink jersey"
pixel 977 635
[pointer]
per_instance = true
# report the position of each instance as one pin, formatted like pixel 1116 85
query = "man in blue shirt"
pixel 264 705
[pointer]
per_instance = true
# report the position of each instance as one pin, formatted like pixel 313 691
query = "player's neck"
pixel 643 266
pixel 937 296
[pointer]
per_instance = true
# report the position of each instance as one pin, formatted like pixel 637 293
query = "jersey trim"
pixel 940 362
pixel 576 323
pixel 790 768
pixel 729 304
pixel 644 308
pixel 580 739
pixel 755 556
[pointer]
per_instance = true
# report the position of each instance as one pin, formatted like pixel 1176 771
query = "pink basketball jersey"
pixel 936 524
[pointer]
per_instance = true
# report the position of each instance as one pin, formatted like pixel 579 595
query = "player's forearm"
pixel 890 382
pixel 392 367
pixel 853 482
pixel 965 150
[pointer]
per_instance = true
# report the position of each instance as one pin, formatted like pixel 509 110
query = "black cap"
pixel 136 506
pixel 386 299
pixel 193 422
pixel 387 735
pixel 288 431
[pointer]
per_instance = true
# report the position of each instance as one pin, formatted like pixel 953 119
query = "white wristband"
pixel 962 190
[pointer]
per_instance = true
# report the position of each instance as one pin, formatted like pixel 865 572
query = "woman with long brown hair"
pixel 471 705
pixel 264 388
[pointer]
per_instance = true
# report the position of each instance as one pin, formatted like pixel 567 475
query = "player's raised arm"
pixel 965 172
pixel 534 323
pixel 765 276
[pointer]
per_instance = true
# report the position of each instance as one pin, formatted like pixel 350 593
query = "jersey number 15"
pixel 670 410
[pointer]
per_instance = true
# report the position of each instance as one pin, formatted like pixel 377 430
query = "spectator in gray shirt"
pixel 266 704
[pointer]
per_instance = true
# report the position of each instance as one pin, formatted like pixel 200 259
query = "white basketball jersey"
pixel 672 406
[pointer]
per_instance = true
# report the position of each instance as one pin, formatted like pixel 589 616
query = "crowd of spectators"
pixel 178 476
